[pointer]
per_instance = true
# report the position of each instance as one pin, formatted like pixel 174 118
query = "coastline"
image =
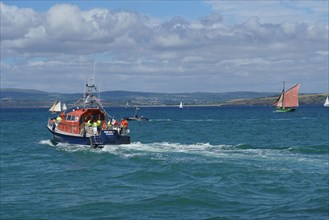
pixel 304 99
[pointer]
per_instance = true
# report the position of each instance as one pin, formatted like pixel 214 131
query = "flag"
pixel 114 122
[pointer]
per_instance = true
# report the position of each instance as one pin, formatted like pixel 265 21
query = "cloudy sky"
pixel 165 46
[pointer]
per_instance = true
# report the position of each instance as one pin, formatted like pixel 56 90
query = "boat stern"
pixel 114 137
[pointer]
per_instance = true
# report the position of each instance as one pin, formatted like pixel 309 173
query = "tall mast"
pixel 99 92
pixel 84 95
pixel 283 94
pixel 94 71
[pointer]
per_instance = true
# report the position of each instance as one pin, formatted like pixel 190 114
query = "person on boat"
pixel 89 123
pixel 104 127
pixel 123 126
pixel 109 125
pixel 53 123
pixel 88 126
pixel 95 125
pixel 83 128
pixel 58 120
pixel 52 120
pixel 124 123
pixel 99 123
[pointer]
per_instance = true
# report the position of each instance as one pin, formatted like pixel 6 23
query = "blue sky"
pixel 165 46
pixel 163 9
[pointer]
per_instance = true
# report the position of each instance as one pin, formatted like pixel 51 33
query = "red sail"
pixel 291 97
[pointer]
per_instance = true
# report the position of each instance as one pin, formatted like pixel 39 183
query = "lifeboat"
pixel 87 123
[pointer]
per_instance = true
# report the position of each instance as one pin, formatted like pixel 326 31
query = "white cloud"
pixel 274 11
pixel 149 54
pixel 16 22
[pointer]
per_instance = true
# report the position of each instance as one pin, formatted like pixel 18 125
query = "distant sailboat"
pixel 326 103
pixel 181 105
pixel 64 108
pixel 288 100
pixel 56 107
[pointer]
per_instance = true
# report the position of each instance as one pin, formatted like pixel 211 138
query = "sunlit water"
pixel 191 163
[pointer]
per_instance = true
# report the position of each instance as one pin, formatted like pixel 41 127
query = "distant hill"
pixel 35 98
pixel 304 99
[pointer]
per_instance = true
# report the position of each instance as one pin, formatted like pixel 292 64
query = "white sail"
pixel 326 103
pixel 53 106
pixel 181 105
pixel 64 108
pixel 56 107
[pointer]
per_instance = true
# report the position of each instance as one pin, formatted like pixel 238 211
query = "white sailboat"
pixel 64 108
pixel 326 103
pixel 181 105
pixel 56 107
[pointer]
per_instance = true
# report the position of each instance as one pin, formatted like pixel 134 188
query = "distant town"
pixel 24 98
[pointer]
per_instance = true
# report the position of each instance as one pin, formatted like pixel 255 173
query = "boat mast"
pixel 84 95
pixel 283 95
pixel 94 71
pixel 99 91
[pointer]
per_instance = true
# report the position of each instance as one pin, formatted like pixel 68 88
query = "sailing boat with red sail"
pixel 288 100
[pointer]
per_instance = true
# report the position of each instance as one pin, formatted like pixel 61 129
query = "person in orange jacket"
pixel 123 126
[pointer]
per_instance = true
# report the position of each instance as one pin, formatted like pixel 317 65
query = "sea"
pixel 226 162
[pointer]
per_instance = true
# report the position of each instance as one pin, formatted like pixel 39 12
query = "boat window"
pixel 68 117
pixel 73 117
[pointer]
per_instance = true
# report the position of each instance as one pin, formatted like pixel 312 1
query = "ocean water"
pixel 191 163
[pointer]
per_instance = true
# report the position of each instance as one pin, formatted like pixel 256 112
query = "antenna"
pixel 84 94
pixel 100 88
pixel 94 71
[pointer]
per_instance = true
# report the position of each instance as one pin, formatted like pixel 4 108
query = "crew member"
pixel 123 126
pixel 58 120
pixel 53 123
pixel 109 125
pixel 88 126
pixel 99 126
pixel 124 123
pixel 95 127
pixel 104 125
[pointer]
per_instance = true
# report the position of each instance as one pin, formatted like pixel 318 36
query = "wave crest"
pixel 201 149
